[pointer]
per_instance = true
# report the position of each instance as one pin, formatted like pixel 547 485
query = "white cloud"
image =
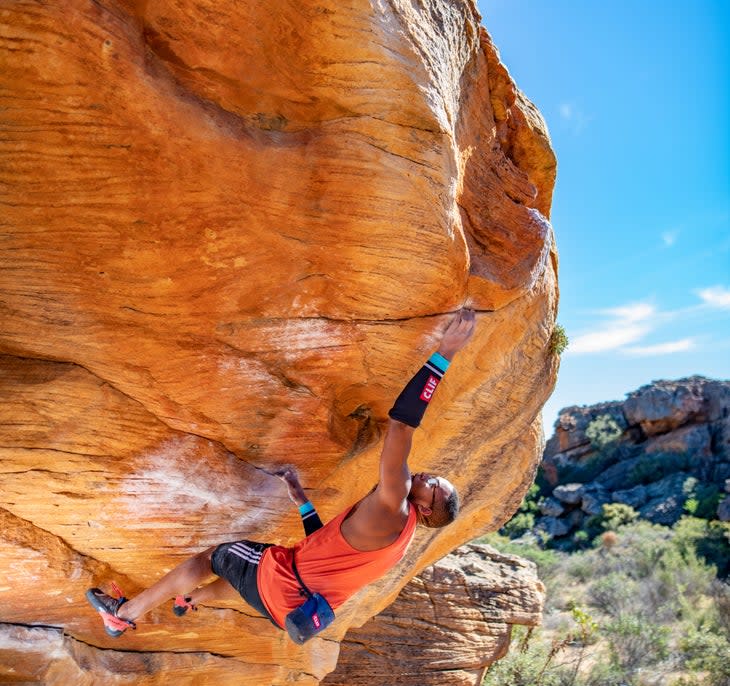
pixel 627 324
pixel 715 296
pixel 661 348
pixel 607 338
pixel 624 328
pixel 635 312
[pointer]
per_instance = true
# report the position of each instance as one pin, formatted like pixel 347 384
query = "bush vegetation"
pixel 603 431
pixel 644 605
pixel 558 340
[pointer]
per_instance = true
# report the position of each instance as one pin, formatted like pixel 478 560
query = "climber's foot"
pixel 182 604
pixel 108 607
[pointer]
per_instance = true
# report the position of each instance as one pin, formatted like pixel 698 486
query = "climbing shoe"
pixel 108 607
pixel 182 604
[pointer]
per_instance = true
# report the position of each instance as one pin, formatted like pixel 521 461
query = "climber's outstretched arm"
pixel 310 518
pixel 409 408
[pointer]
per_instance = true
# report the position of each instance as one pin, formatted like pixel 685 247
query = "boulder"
pixel 672 484
pixel 50 657
pixel 551 507
pixel 721 473
pixel 666 405
pixel 666 499
pixel 723 509
pixel 717 400
pixel 593 502
pixel 555 527
pixel 447 625
pixel 619 475
pixel 664 510
pixel 721 438
pixel 695 440
pixel 231 231
pixel 570 494
pixel 634 497
pixel 575 519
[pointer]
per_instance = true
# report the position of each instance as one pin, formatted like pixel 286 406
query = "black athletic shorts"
pixel 238 564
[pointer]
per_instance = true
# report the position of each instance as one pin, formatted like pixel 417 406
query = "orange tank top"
pixel 328 565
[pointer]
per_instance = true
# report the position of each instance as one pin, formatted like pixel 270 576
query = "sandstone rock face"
pixel 447 625
pixel 230 232
pixel 569 440
pixel 660 408
pixel 670 445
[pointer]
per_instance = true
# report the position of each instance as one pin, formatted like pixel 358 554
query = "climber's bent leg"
pixel 219 589
pixel 186 576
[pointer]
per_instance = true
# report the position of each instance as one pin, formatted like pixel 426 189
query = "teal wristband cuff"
pixel 440 361
pixel 306 508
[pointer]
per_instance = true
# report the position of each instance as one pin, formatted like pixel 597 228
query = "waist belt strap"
pixel 304 590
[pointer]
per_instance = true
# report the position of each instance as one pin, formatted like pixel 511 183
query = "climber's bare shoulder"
pixel 371 524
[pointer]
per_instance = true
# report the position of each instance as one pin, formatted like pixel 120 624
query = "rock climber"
pixel 335 560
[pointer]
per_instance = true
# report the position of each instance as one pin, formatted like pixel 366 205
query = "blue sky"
pixel 635 95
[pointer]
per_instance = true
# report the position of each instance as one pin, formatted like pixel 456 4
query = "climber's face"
pixel 428 491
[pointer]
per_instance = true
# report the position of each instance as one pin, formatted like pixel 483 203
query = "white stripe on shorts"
pixel 247 550
pixel 244 552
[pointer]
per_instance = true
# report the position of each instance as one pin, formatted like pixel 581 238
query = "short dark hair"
pixel 443 513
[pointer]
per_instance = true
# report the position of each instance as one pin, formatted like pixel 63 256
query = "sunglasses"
pixel 433 482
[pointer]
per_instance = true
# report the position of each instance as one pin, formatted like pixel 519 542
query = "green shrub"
pixel 520 524
pixel 602 431
pixel 531 661
pixel 708 497
pixel 581 539
pixel 606 674
pixel 558 340
pixel 635 642
pixel 702 498
pixel 707 652
pixel 580 567
pixel 654 607
pixel 524 519
pixel 526 663
pixel 707 540
pixel 616 515
pixel 720 594
pixel 530 501
pixel 613 594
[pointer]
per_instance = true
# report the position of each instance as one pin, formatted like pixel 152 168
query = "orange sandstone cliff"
pixel 230 231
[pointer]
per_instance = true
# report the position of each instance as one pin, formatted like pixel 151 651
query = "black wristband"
pixel 411 404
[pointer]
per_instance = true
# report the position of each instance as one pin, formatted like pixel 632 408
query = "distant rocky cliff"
pixel 663 450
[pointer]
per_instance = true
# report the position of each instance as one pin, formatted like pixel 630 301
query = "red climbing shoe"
pixel 108 607
pixel 182 604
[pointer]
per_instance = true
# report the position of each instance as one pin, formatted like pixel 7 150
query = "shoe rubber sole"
pixel 99 606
